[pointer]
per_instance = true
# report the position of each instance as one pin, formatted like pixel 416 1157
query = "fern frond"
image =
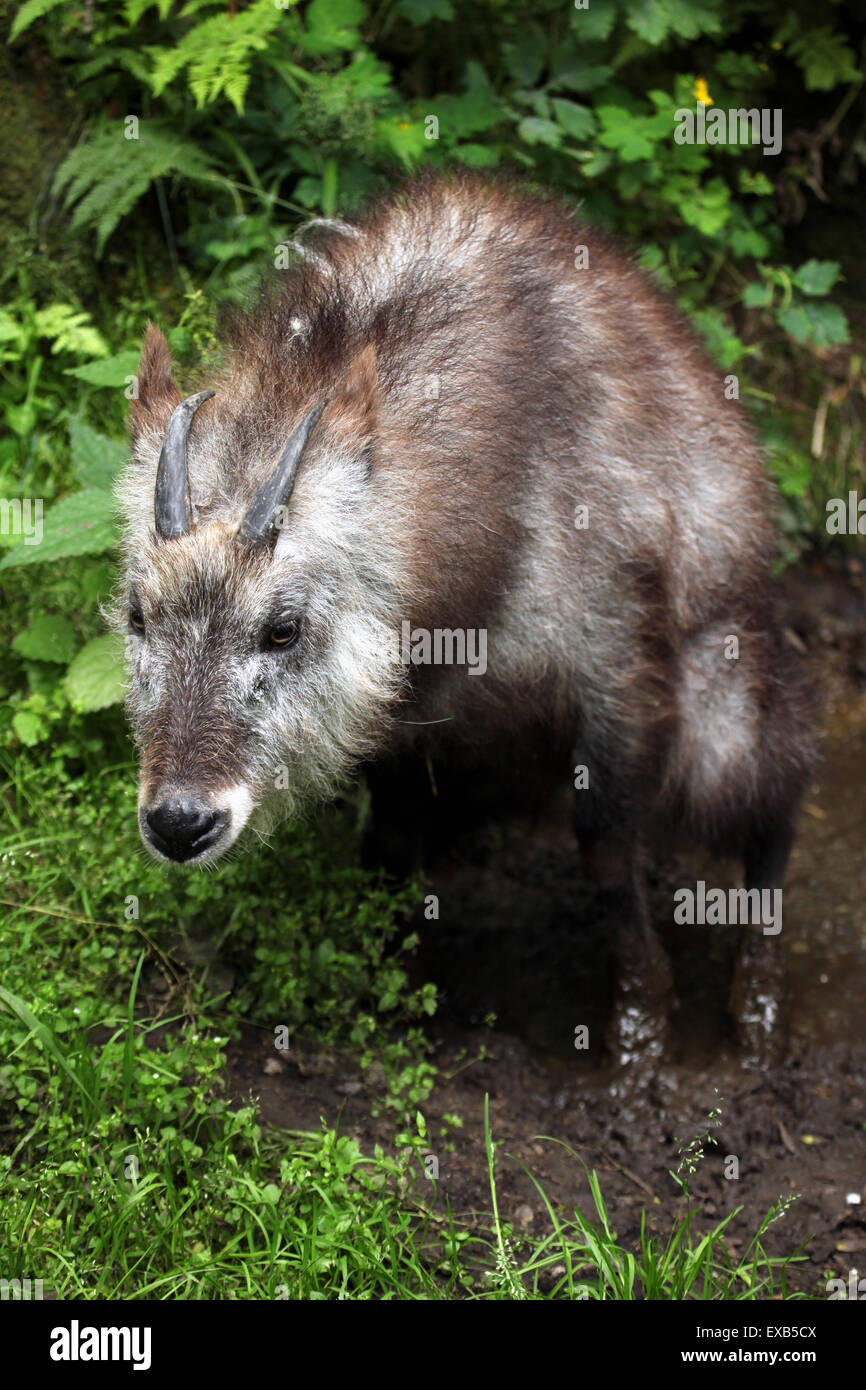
pixel 218 53
pixel 134 9
pixel 127 58
pixel 106 175
pixel 29 13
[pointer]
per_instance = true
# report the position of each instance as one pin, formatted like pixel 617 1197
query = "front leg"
pixel 612 846
pixel 401 816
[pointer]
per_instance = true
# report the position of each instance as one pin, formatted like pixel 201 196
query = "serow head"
pixel 259 664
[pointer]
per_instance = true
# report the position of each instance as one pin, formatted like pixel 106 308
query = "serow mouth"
pixel 182 829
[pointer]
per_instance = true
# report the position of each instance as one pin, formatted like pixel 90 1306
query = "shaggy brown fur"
pixel 481 389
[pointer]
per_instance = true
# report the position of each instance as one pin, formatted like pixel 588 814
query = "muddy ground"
pixel 518 937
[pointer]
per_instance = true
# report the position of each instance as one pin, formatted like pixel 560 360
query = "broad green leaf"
pixel 525 60
pixel 822 324
pixel 536 131
pixel 30 727
pixel 21 419
pixel 79 525
pixel 47 639
pixel 334 24
pixel 96 460
pixel 758 295
pixel 711 208
pixel 580 75
pixel 653 20
pixel 96 677
pixel 577 121
pixel 467 113
pixel 817 277
pixel 476 156
pixel 723 345
pixel 825 58
pixel 109 371
pixel 633 137
pixel 406 139
pixel 594 21
pixel 748 241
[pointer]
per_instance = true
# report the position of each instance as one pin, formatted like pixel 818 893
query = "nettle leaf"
pixel 748 241
pixel 711 208
pixel 82 524
pixel 525 60
pixel 595 21
pixel 537 131
pixel 633 137
pixel 817 277
pixel 406 139
pixel 653 20
pixel 824 325
pixel 576 74
pixel 334 24
pixel 825 58
pixel 723 345
pixel 96 459
pixel 110 371
pixel 467 113
pixel 30 727
pixel 758 295
pixel 96 677
pixel 476 156
pixel 47 639
pixel 577 121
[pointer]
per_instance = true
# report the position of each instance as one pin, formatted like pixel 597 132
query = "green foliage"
pixel 204 133
pixel 218 52
pixel 106 175
pixel 95 678
pixel 28 14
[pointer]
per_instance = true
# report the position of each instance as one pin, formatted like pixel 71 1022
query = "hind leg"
pixel 758 999
pixel 746 748
pixel 612 846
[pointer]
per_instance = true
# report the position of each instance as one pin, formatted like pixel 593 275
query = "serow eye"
pixel 283 635
pixel 136 621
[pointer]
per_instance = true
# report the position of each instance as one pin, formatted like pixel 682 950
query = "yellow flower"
pixel 701 92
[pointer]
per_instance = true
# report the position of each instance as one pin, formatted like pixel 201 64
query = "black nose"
pixel 183 829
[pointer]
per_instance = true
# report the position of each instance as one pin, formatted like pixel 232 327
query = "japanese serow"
pixel 464 414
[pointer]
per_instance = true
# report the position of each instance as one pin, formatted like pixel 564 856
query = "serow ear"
pixel 155 391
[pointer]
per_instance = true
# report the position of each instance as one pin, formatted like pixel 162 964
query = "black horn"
pixel 171 501
pixel 277 487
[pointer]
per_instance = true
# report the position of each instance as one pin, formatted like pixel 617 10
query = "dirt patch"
pixel 518 937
